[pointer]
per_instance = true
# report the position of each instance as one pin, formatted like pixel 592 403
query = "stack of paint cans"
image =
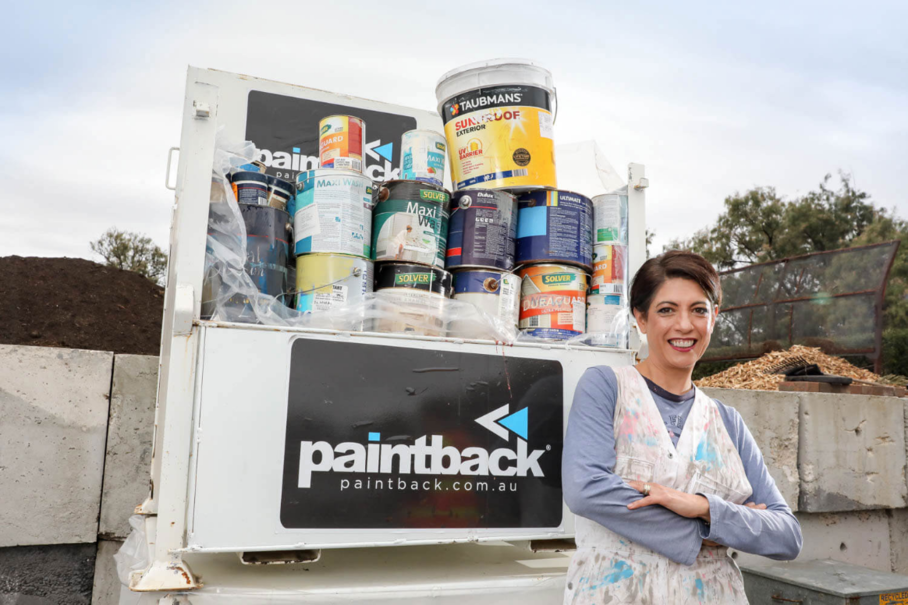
pixel 409 237
pixel 332 223
pixel 607 311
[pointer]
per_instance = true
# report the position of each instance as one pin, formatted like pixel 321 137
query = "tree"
pixel 132 252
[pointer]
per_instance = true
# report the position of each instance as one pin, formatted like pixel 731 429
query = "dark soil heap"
pixel 78 304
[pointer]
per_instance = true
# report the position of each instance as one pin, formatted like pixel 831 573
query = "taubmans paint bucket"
pixel 609 263
pixel 498 123
pixel 340 142
pixel 483 230
pixel 554 227
pixel 279 192
pixel 606 320
pixel 250 187
pixel 492 292
pixel 553 301
pixel 333 213
pixel 418 293
pixel 423 157
pixel 411 223
pixel 610 219
pixel 330 281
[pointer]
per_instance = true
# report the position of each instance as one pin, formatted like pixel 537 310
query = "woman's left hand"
pixel 687 505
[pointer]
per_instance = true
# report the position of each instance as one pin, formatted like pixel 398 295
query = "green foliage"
pixel 132 252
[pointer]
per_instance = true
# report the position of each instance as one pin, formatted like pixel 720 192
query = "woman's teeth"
pixel 681 344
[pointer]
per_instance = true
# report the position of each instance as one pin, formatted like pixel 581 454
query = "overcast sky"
pixel 712 99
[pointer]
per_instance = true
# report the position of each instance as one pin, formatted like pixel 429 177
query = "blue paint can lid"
pixel 257 177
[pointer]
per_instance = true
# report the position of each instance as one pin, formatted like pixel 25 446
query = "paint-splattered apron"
pixel 610 569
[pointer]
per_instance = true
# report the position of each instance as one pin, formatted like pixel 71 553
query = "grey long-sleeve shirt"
pixel 594 491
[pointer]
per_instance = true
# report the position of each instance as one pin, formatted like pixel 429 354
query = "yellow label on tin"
pixel 894 598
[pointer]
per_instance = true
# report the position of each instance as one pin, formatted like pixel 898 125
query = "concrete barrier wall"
pixel 75 448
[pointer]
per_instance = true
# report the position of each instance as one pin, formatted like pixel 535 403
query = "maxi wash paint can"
pixel 327 282
pixel 553 301
pixel 483 230
pixel 499 124
pixel 411 223
pixel 340 142
pixel 554 227
pixel 494 293
pixel 333 213
pixel 423 153
pixel 417 296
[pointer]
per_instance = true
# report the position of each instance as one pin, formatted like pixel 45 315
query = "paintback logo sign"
pixel 285 132
pixel 392 437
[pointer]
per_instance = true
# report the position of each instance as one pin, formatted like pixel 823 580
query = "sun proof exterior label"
pixel 393 437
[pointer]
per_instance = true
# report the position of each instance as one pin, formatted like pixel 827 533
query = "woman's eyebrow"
pixel 667 302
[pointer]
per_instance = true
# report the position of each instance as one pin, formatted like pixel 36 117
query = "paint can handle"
pixel 555 101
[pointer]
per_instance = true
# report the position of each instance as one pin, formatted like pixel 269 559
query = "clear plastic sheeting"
pixel 133 555
pixel 230 294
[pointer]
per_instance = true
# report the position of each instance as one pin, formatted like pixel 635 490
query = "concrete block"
pixel 772 418
pixel 851 452
pixel 47 575
pixel 106 590
pixel 860 538
pixel 53 405
pixel 129 441
pixel 898 540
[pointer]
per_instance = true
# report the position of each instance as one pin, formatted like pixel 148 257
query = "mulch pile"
pixel 78 304
pixel 751 375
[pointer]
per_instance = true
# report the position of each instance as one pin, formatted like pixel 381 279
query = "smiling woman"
pixel 662 478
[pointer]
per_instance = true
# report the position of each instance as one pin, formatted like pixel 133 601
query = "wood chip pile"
pixel 750 375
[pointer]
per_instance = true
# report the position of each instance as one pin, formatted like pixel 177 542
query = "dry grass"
pixel 750 375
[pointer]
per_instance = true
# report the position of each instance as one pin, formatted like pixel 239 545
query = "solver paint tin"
pixel 411 223
pixel 607 320
pixel 416 294
pixel 423 153
pixel 554 227
pixel 340 142
pixel 499 124
pixel 610 219
pixel 325 282
pixel 553 301
pixel 495 293
pixel 333 213
pixel 609 264
pixel 250 187
pixel 483 230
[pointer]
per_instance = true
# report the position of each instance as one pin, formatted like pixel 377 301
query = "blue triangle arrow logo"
pixel 386 151
pixel 516 423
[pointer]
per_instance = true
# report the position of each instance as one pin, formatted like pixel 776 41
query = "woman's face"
pixel 678 324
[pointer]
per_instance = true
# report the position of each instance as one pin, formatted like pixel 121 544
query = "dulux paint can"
pixel 418 294
pixel 411 223
pixel 609 270
pixel 499 124
pixel 423 153
pixel 494 293
pixel 483 230
pixel 333 213
pixel 553 301
pixel 340 142
pixel 610 219
pixel 250 187
pixel 606 320
pixel 326 282
pixel 554 227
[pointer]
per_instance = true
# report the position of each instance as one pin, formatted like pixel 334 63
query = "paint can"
pixel 250 187
pixel 423 157
pixel 494 293
pixel 280 192
pixel 326 282
pixel 411 223
pixel 609 266
pixel 418 294
pixel 333 213
pixel 610 219
pixel 340 142
pixel 553 301
pixel 483 230
pixel 607 320
pixel 554 227
pixel 499 124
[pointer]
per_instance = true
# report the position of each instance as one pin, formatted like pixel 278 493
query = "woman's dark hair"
pixel 677 263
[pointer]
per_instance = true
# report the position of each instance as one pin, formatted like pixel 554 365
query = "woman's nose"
pixel 684 322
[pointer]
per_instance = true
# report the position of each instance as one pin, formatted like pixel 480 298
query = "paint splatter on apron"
pixel 610 569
